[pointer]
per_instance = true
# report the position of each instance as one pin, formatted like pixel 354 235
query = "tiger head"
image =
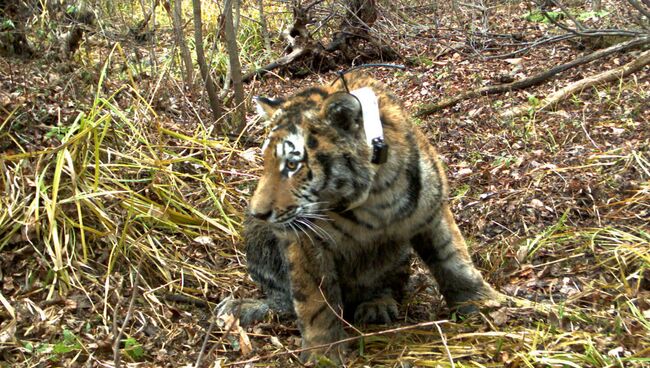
pixel 316 158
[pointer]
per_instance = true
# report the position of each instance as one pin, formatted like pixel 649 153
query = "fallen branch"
pixel 284 60
pixel 534 80
pixel 576 87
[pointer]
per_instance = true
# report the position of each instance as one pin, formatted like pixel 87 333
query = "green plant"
pixel 68 343
pixel 592 14
pixel 133 348
pixel 57 132
pixel 537 16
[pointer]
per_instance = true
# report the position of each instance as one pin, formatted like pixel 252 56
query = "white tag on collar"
pixel 370 111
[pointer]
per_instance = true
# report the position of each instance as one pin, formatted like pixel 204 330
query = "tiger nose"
pixel 262 215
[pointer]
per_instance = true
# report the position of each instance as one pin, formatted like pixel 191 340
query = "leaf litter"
pixel 555 206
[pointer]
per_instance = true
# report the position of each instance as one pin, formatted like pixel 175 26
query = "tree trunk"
pixel 235 66
pixel 265 29
pixel 213 96
pixel 180 39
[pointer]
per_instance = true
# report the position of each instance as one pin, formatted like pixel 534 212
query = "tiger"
pixel 336 216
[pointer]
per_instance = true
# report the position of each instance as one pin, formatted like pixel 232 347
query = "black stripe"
pixel 313 90
pixel 351 216
pixel 387 183
pixel 340 230
pixel 349 163
pixel 264 281
pixel 427 222
pixel 362 180
pixel 312 142
pixel 320 310
pixel 414 188
pixel 325 161
pixel 333 321
pixel 299 296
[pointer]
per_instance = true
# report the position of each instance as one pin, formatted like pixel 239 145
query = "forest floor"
pixel 555 206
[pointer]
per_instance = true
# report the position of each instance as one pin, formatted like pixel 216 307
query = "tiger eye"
pixel 291 165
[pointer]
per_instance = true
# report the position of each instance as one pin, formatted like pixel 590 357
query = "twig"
pixel 228 328
pixel 584 129
pixel 207 337
pixel 568 14
pixel 342 341
pixel 604 77
pixel 444 343
pixel 116 331
pixel 534 44
pixel 129 311
pixel 582 31
pixel 179 298
pixel 338 314
pixel 534 80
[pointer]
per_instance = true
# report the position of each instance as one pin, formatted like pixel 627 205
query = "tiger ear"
pixel 266 107
pixel 343 110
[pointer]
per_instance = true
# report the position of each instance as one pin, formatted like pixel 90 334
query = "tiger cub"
pixel 336 214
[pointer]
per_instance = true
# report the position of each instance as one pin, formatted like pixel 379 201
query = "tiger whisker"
pixel 302 222
pixel 318 230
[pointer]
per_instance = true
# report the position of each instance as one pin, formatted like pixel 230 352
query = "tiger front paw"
pixel 379 311
pixel 330 356
pixel 471 302
pixel 249 311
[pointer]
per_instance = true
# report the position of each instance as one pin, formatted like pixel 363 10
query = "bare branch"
pixel 534 80
pixel 604 77
pixel 532 45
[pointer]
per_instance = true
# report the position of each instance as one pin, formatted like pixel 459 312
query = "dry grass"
pixel 132 202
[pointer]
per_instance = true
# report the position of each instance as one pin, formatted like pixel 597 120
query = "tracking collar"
pixel 372 124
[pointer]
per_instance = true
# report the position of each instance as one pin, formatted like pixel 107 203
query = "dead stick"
pixel 534 80
pixel 129 311
pixel 604 77
pixel 284 60
pixel 444 343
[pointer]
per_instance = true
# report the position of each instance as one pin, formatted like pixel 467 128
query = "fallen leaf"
pixel 276 342
pixel 204 240
pixel 244 342
pixel 463 172
pixel 8 331
pixel 536 203
pixel 249 154
pixel 499 317
pixel 513 61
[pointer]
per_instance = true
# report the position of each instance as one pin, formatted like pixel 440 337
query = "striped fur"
pixel 310 239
